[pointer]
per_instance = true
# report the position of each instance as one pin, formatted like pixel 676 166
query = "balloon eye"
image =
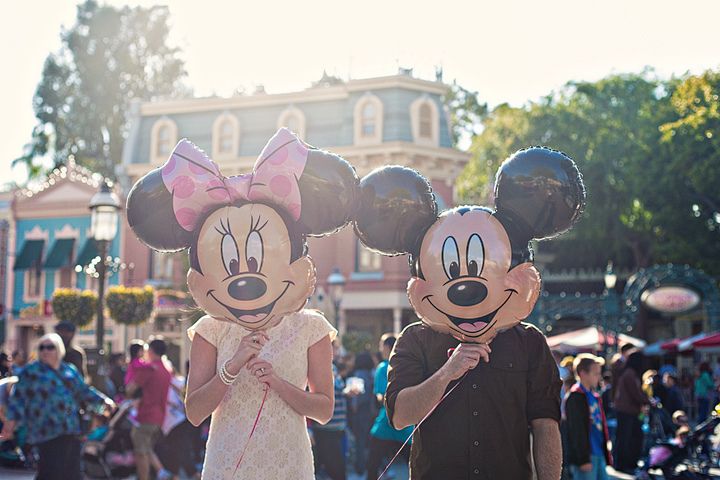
pixel 229 252
pixel 451 258
pixel 475 255
pixel 254 252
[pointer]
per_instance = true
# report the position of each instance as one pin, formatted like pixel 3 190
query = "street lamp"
pixel 336 287
pixel 104 208
pixel 610 281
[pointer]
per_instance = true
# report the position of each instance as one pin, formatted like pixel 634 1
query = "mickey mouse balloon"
pixel 471 266
pixel 245 234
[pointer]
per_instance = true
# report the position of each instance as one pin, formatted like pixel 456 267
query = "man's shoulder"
pixel 526 333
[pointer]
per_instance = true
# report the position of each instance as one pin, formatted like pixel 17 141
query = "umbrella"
pixel 709 343
pixel 590 338
pixel 655 349
pixel 688 343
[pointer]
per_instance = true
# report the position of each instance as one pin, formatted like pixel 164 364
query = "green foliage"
pixel 466 111
pixel 357 341
pixel 74 306
pixel 645 147
pixel 130 305
pixel 107 58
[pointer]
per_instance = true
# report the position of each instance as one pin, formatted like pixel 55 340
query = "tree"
pixel 610 128
pixel 74 306
pixel 466 111
pixel 130 305
pixel 686 196
pixel 109 57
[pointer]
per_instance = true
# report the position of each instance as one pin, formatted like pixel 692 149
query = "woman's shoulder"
pixel 210 328
pixel 314 323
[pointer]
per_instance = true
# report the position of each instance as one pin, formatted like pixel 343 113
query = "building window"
pixel 293 119
pixel 163 140
pixel 225 136
pixel 366 260
pixel 163 143
pixel 162 267
pixel 425 121
pixel 33 283
pixel 368 120
pixel 65 277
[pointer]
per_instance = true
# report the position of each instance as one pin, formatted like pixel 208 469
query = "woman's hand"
pixel 264 372
pixel 249 347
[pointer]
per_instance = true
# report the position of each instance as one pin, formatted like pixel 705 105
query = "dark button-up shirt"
pixel 48 401
pixel 481 430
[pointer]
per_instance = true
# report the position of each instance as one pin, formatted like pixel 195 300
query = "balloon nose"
pixel 465 294
pixel 247 288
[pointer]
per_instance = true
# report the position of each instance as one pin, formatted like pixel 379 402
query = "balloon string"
pixel 420 423
pixel 253 430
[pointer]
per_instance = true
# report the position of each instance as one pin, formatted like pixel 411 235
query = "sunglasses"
pixel 49 347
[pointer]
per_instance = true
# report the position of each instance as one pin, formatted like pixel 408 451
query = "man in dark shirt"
pixel 482 429
pixel 73 354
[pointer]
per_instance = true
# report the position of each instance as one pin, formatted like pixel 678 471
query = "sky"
pixel 512 51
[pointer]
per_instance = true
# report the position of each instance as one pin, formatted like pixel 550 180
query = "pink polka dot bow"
pixel 197 185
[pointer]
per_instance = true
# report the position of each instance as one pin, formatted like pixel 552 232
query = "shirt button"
pixel 474 385
pixel 476 471
pixel 476 443
pixel 475 414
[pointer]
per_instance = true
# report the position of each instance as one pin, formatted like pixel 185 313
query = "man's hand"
pixel 465 357
pixel 586 467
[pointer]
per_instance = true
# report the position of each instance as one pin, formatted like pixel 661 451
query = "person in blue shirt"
pixel 385 441
pixel 47 399
pixel 587 453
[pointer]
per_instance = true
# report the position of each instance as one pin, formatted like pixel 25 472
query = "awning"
pixel 709 343
pixel 60 252
pixel 87 252
pixel 30 254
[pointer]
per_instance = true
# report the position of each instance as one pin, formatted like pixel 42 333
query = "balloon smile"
pixel 255 315
pixel 472 326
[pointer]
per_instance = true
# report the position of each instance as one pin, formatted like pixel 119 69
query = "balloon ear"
pixel 328 191
pixel 539 193
pixel 397 207
pixel 525 280
pixel 151 216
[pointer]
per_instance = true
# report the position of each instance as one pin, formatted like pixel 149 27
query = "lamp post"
pixel 104 208
pixel 610 281
pixel 336 287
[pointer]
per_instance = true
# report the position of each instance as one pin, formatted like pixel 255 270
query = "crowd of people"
pixel 49 410
pixel 164 443
pixel 359 436
pixel 628 406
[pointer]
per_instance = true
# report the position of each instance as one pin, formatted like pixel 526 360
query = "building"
pixel 371 122
pixel 47 232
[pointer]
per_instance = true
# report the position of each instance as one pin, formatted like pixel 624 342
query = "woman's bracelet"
pixel 226 377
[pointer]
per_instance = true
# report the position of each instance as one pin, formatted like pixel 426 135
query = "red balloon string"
pixel 424 418
pixel 267 389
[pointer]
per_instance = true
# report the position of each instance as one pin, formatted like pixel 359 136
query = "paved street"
pixel 398 473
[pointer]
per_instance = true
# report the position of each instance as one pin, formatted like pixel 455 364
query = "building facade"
pixel 395 120
pixel 48 247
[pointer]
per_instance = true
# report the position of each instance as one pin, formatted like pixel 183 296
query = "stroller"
pixel 690 459
pixel 108 453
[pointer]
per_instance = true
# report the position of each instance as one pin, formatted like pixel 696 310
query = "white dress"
pixel 280 447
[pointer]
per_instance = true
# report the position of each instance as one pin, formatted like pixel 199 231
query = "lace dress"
pixel 280 447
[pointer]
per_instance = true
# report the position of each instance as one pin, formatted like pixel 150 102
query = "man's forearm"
pixel 547 448
pixel 413 403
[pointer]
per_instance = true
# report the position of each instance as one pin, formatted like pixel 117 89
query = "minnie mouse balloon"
pixel 245 234
pixel 471 266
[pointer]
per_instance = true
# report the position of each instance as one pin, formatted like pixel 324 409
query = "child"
pixel 587 429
